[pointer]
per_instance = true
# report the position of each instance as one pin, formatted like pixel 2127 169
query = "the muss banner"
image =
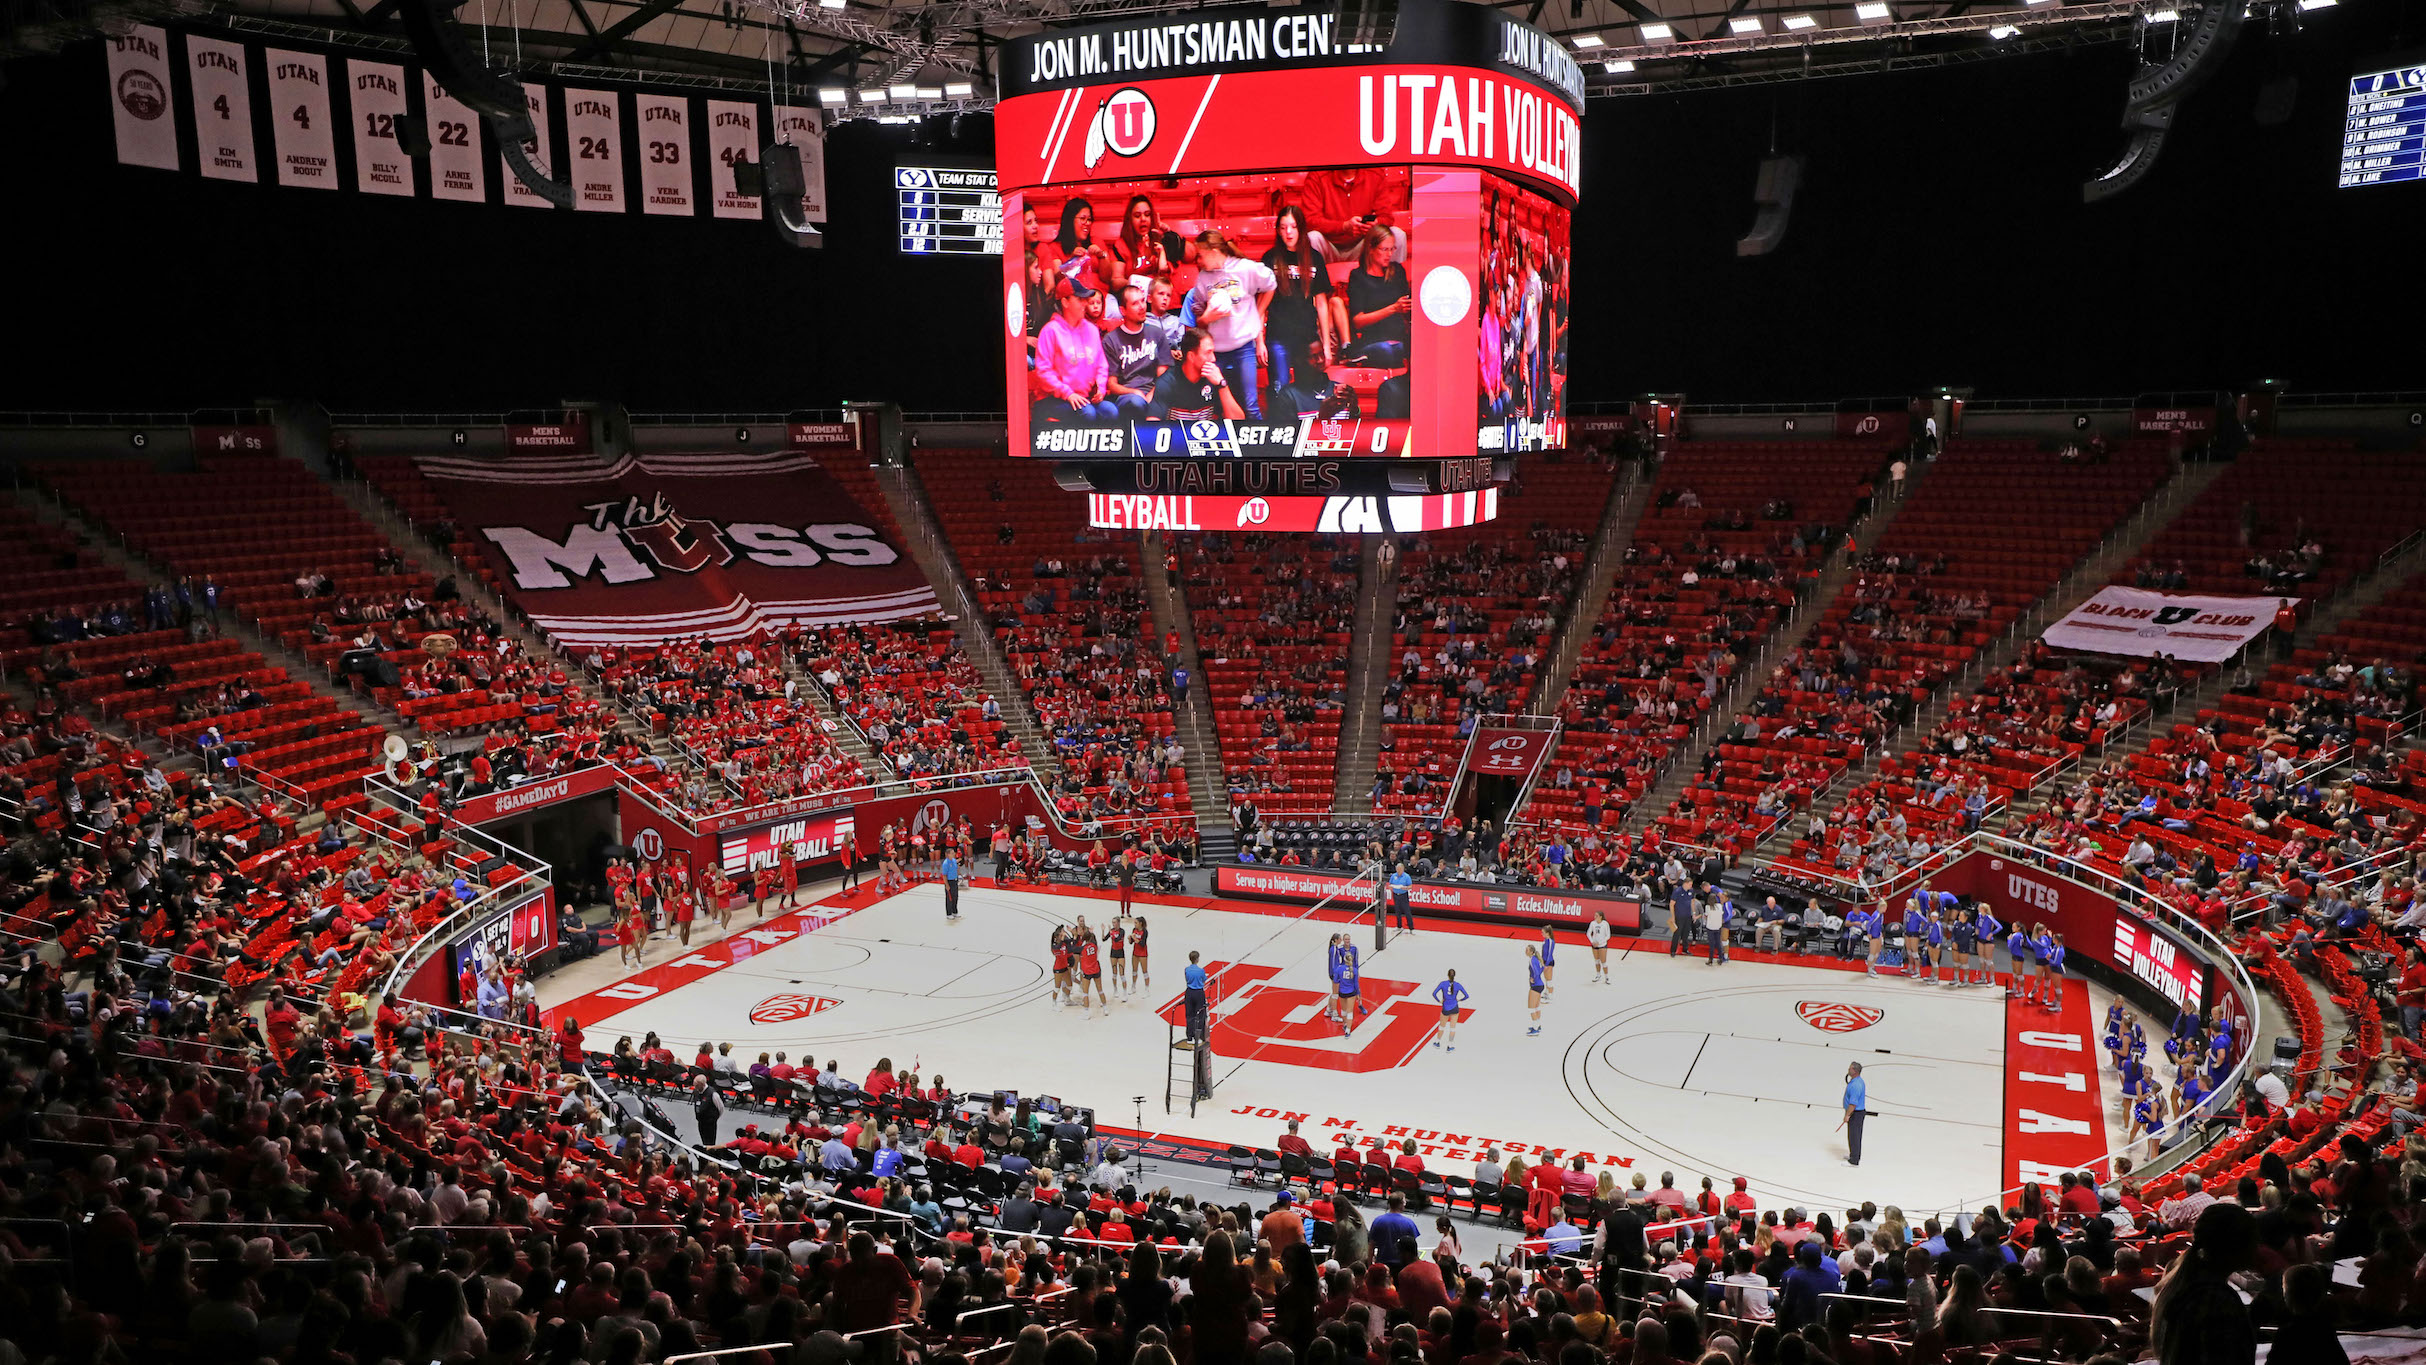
pixel 639 551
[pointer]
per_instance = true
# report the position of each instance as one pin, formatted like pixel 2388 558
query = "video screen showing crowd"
pixel 1223 317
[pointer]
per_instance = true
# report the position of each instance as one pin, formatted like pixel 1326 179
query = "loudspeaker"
pixel 482 871
pixel 747 179
pixel 413 135
pixel 1773 195
pixel 785 182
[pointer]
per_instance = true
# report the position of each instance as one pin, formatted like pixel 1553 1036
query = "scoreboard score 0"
pixel 948 211
pixel 2384 127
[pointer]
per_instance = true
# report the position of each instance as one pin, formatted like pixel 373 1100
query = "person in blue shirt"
pixel 1935 935
pixel 1563 1238
pixel 1195 977
pixel 1549 962
pixel 1874 924
pixel 1534 991
pixel 1393 1234
pixel 1402 888
pixel 2017 949
pixel 951 886
pixel 1452 997
pixel 1801 1300
pixel 1680 918
pixel 1857 1107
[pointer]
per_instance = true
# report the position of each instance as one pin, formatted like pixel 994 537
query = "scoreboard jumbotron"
pixel 948 211
pixel 2384 127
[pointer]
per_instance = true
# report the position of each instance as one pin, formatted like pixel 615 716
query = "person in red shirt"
pixel 968 1154
pixel 1740 1202
pixel 790 872
pixel 569 1045
pixel 684 908
pixel 869 1292
pixel 1290 1142
pixel 880 1081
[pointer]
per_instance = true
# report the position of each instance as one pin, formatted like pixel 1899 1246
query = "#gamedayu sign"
pixel 641 551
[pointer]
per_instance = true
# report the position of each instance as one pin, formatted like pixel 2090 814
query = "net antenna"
pixel 1198 1067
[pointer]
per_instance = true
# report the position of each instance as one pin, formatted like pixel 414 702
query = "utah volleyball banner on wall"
pixel 640 551
pixel 2135 621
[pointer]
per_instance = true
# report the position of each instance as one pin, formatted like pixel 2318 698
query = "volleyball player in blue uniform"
pixel 1916 938
pixel 1988 929
pixel 1549 962
pixel 1959 933
pixel 1451 996
pixel 1344 982
pixel 1536 990
pixel 2050 951
pixel 2017 951
pixel 1873 922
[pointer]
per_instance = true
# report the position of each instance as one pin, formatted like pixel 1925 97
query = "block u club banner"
pixel 640 551
pixel 2135 621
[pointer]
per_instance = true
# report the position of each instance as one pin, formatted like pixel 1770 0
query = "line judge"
pixel 1857 1108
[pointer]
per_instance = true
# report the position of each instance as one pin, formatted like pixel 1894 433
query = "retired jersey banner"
pixel 300 124
pixel 139 98
pixel 593 129
pixel 2135 621
pixel 380 165
pixel 732 136
pixel 643 550
pixel 223 109
pixel 665 154
pixel 542 149
pixel 456 170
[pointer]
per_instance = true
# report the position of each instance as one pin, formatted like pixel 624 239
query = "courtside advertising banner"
pixel 732 136
pixel 593 127
pixel 2138 622
pixel 223 108
pixel 300 124
pixel 456 170
pixel 2095 928
pixel 808 839
pixel 1462 900
pixel 665 154
pixel 139 98
pixel 640 551
pixel 542 150
pixel 377 94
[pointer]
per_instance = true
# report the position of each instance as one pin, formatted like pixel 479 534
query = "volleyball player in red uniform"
pixel 1061 964
pixel 790 872
pixel 1142 972
pixel 1116 947
pixel 1090 971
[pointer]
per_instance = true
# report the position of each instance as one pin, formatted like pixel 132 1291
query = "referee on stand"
pixel 1857 1108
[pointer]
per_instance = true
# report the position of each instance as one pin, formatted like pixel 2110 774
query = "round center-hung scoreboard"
pixel 1371 293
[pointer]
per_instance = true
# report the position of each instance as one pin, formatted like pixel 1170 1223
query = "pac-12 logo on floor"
pixel 1829 1016
pixel 783 1009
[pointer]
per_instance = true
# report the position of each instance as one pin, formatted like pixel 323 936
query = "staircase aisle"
pixel 1810 605
pixel 1627 499
pixel 1369 663
pixel 1208 793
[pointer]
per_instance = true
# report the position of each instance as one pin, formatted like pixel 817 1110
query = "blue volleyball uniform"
pixel 1533 966
pixel 1450 995
pixel 1549 951
pixel 2018 944
pixel 2051 955
pixel 1990 927
pixel 1344 974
